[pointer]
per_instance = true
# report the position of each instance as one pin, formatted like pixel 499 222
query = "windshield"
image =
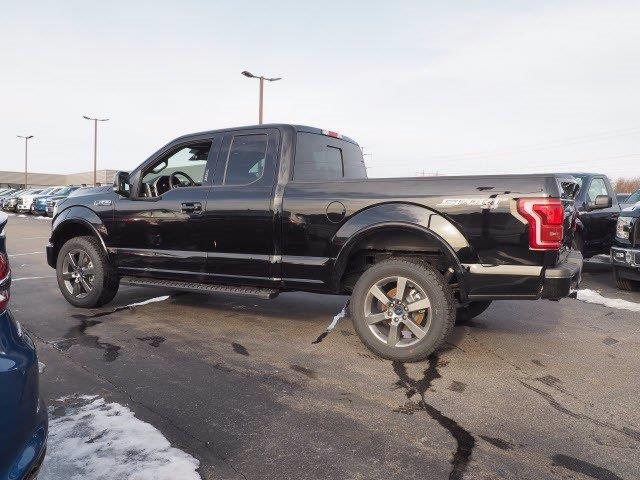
pixel 65 190
pixel 633 198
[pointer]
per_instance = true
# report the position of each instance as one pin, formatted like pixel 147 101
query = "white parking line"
pixel 30 278
pixel 23 254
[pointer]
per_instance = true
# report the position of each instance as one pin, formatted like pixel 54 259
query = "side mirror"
pixel 121 184
pixel 602 201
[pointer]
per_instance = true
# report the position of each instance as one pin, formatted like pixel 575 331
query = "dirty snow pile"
pixel 94 440
pixel 591 296
pixel 337 317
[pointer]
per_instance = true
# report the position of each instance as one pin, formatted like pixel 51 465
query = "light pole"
pixel 95 145
pixel 262 79
pixel 26 151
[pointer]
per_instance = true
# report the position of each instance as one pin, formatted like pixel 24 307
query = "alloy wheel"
pixel 78 273
pixel 397 311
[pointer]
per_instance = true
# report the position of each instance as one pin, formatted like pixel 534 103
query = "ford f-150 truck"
pixel 625 253
pixel 265 209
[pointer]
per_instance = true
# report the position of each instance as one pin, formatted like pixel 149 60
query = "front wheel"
pixel 85 277
pixel 402 309
pixel 624 283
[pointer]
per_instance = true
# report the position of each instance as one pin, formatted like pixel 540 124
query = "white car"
pixel 26 199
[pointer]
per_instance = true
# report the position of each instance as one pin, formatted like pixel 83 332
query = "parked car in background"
pixel 272 208
pixel 598 211
pixel 10 201
pixel 51 201
pixel 39 203
pixel 631 200
pixel 23 204
pixel 23 415
pixel 625 253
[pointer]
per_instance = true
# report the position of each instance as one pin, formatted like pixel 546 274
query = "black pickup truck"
pixel 625 253
pixel 598 211
pixel 265 209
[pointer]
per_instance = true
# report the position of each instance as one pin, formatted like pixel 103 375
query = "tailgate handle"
pixel 191 207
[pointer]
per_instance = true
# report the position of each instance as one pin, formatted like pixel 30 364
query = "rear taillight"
pixel 5 281
pixel 545 217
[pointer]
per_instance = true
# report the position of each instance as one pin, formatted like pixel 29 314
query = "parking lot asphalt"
pixel 528 390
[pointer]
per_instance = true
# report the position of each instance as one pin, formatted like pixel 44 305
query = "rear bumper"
pixel 564 279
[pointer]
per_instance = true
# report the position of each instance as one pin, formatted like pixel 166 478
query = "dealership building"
pixel 16 179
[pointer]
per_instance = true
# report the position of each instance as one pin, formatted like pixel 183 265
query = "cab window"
pixel 321 158
pixel 246 160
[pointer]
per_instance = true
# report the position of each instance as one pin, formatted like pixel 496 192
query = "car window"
pixel 321 158
pixel 633 198
pixel 597 187
pixel 189 159
pixel 246 160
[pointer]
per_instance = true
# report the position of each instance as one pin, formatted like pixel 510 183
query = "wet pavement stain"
pixel 626 431
pixel 609 341
pixel 584 468
pixel 457 386
pixel 304 370
pixel 154 341
pixel 550 381
pixel 497 442
pixel 240 349
pixel 464 440
pixel 321 337
pixel 77 336
pixel 538 363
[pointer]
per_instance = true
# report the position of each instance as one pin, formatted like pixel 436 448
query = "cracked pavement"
pixel 528 390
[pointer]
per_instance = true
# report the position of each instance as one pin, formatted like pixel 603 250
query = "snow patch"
pixel 591 296
pixel 337 317
pixel 146 302
pixel 94 440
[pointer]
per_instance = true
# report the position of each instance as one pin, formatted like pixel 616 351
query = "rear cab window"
pixel 322 158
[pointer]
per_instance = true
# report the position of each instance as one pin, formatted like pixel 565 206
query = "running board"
pixel 200 287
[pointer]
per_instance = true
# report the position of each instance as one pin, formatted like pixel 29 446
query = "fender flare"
pixel 409 217
pixel 78 215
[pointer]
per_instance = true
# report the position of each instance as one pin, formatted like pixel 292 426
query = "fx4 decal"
pixel 102 203
pixel 484 203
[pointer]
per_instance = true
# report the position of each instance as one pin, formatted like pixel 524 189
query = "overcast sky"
pixel 448 87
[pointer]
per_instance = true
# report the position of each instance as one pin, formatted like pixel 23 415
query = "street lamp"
pixel 95 145
pixel 262 79
pixel 26 148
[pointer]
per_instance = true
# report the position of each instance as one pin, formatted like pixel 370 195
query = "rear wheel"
pixel 85 277
pixel 624 283
pixel 402 309
pixel 471 310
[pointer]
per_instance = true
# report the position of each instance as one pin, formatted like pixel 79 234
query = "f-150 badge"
pixel 484 203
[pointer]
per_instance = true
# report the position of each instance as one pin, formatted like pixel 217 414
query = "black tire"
pixel 624 283
pixel 422 281
pixel 578 242
pixel 104 281
pixel 471 311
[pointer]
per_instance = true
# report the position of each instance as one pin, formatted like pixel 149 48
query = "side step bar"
pixel 200 287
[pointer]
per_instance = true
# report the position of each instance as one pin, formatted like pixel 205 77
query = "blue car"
pixel 23 415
